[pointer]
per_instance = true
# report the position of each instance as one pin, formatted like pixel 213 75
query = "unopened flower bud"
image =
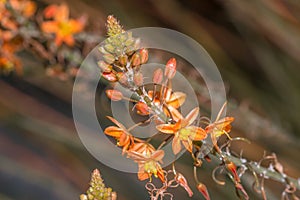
pixel 138 79
pixel 136 59
pixel 144 55
pixel 104 66
pixel 113 196
pixel 122 78
pixel 109 48
pixel 83 197
pixel 232 168
pixel 157 76
pixel 170 69
pixel 102 50
pixel 202 188
pixel 110 77
pixel 114 95
pixel 109 58
pixel 137 43
pixel 123 60
pixel 142 108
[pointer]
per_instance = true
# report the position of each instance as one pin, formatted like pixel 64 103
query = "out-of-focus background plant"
pixel 255 44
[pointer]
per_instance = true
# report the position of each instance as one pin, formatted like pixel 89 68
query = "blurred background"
pixel 256 46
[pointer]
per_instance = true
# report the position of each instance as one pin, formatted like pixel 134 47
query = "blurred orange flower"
pixel 23 7
pixel 8 60
pixel 62 26
pixel 184 132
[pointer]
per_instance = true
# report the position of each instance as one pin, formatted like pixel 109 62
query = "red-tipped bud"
pixel 123 60
pixel 110 77
pixel 136 59
pixel 142 108
pixel 202 188
pixel 144 55
pixel 157 76
pixel 232 168
pixel 180 179
pixel 104 66
pixel 170 69
pixel 114 95
pixel 138 79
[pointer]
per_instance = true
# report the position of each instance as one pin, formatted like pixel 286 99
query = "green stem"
pixel 260 170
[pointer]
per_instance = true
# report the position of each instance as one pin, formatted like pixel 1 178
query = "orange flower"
pixel 220 126
pixel 125 139
pixel 184 132
pixel 148 162
pixel 8 60
pixel 171 101
pixel 170 98
pixel 63 27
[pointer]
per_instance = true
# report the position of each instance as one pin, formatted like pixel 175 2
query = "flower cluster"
pixel 122 62
pixel 50 33
pixel 13 15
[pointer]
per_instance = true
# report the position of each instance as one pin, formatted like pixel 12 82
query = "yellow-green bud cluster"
pixel 97 189
pixel 113 26
pixel 121 56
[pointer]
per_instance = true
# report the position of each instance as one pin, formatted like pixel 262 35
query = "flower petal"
pixel 198 133
pixel 221 111
pixel 176 99
pixel 188 144
pixel 158 155
pixel 176 146
pixel 222 123
pixel 69 40
pixel 143 175
pixel 167 128
pixel 50 11
pixel 113 131
pixel 62 13
pixel 49 27
pixel 161 175
pixel 192 116
pixel 176 115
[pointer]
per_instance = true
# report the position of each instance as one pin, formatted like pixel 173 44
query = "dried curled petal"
pixel 181 180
